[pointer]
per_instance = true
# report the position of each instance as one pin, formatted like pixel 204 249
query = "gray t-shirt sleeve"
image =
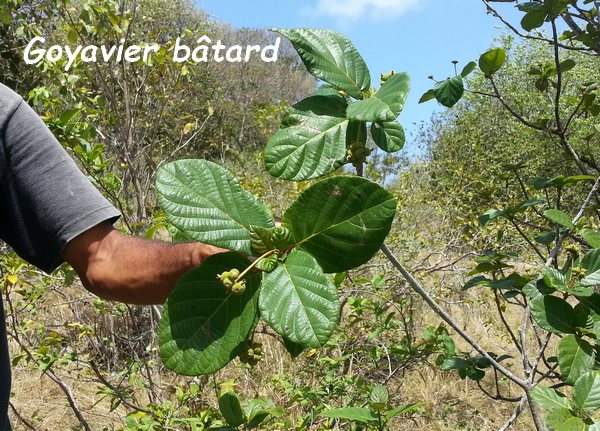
pixel 45 200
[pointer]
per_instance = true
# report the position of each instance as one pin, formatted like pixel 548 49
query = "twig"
pixel 63 386
pixel 514 113
pixel 48 372
pixel 588 200
pixel 528 36
pixel 558 79
pixel 506 325
pixel 21 418
pixel 516 413
pixel 448 319
pixel 116 391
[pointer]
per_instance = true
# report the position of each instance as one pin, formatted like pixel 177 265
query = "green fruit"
pixel 238 288
pixel 252 354
pixel 223 276
pixel 234 274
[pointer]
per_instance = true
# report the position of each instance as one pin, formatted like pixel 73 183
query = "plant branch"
pixel 506 325
pixel 588 201
pixel 514 113
pixel 515 415
pixel 416 286
pixel 516 31
pixel 21 418
pixel 253 264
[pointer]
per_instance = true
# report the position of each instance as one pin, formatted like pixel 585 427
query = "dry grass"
pixel 451 403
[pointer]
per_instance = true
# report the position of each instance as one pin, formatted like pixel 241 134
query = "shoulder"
pixel 9 101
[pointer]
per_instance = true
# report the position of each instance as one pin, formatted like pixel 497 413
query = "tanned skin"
pixel 128 269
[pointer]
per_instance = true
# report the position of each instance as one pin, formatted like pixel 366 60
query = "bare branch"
pixel 416 286
pixel 517 411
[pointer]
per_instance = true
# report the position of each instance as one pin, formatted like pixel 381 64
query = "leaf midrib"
pixel 322 231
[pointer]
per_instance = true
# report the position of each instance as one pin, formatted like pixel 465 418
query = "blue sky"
pixel 420 37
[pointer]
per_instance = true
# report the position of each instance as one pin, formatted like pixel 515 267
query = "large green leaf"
pixel 360 414
pixel 455 364
pixel 203 327
pixel 371 109
pixel 207 204
pixel 591 261
pixel 342 221
pixel 450 91
pixel 591 237
pixel 592 279
pixel 231 409
pixel 534 17
pixel 389 136
pixel 536 288
pixel 586 392
pixel 563 420
pixel 554 279
pixel 311 141
pixel 490 215
pixel 559 217
pixel 403 409
pixel 575 357
pixel 260 409
pixel 299 301
pixel 549 398
pixel 386 104
pixel 592 302
pixel 492 61
pixel 332 57
pixel 553 314
pixel 584 287
pixel 557 7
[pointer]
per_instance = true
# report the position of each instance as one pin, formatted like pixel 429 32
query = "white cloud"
pixel 354 9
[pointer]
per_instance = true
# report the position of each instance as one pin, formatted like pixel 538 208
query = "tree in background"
pixel 123 122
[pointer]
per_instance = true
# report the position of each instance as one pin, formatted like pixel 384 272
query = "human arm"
pixel 129 269
pixel 49 212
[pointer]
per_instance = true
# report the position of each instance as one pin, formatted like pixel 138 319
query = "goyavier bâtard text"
pixel 203 51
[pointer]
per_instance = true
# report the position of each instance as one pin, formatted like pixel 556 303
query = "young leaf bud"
pixel 268 264
pixel 281 237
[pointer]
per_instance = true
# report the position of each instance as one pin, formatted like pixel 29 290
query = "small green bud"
pixel 260 239
pixel 252 354
pixel 234 274
pixel 386 76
